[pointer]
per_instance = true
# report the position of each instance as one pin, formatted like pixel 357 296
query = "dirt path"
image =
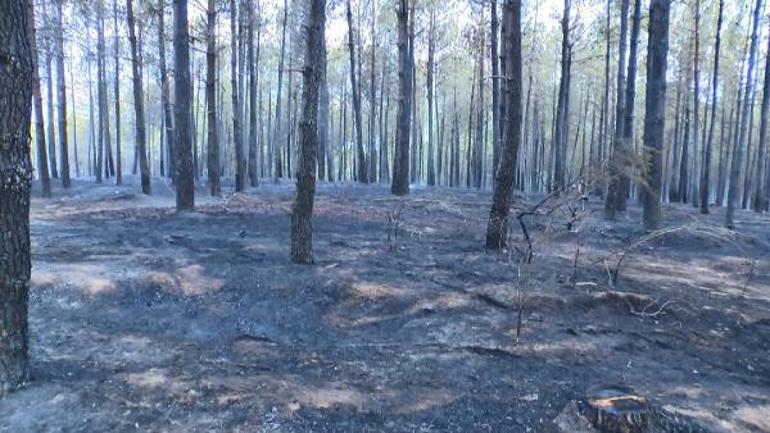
pixel 145 320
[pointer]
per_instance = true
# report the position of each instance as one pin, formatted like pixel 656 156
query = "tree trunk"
pixel 253 83
pixel 760 201
pixel 562 109
pixel 495 90
pixel 61 98
pixel 324 152
pixel 100 88
pixel 429 87
pixel 16 83
pixel 400 184
pixel 185 188
pixel 497 228
pixel 49 98
pixel 42 153
pixel 655 111
pixel 615 165
pixel 301 228
pixel 737 158
pixel 706 174
pixel 696 102
pixel 361 157
pixel 139 120
pixel 240 165
pixel 627 152
pixel 211 97
pixel 373 98
pixel 168 118
pixel 278 134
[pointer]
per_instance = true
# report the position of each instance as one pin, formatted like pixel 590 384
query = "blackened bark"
pixel 360 155
pixel 240 162
pixel 42 152
pixel 185 188
pixel 324 152
pixel 211 98
pixel 16 82
pixel 61 98
pixel 499 213
pixel 655 111
pixel 139 120
pixel 626 150
pixel 610 203
pixel 301 227
pixel 400 184
pixel 278 134
pixel 495 89
pixel 562 109
pixel 253 83
pixel 706 174
pixel 168 118
pixel 430 88
pixel 760 201
pixel 737 157
pixel 116 87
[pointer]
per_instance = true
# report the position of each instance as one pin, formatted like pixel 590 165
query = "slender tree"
pixel 737 157
pixel 615 165
pixel 356 94
pixel 400 184
pixel 301 228
pixel 655 111
pixel 61 97
pixel 185 188
pixel 240 162
pixel 497 227
pixel 705 179
pixel 253 83
pixel 37 99
pixel 627 148
pixel 760 201
pixel 278 134
pixel 16 82
pixel 139 121
pixel 211 98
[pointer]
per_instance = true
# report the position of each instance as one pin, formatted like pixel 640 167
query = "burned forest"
pixel 396 216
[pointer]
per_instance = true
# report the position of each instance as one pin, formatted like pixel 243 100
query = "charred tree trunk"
pixel 49 97
pixel 185 188
pixel 760 201
pixel 42 153
pixel 497 228
pixel 562 109
pixel 706 174
pixel 495 89
pixel 278 133
pixel 301 228
pixel 139 120
pixel 359 137
pixel 240 164
pixel 737 157
pixel 615 165
pixel 16 82
pixel 61 98
pixel 627 151
pixel 400 184
pixel 253 83
pixel 324 152
pixel 655 110
pixel 211 98
pixel 165 89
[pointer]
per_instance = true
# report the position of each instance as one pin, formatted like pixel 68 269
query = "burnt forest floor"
pixel 143 319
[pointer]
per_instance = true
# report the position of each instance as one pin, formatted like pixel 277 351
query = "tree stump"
pixel 618 411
